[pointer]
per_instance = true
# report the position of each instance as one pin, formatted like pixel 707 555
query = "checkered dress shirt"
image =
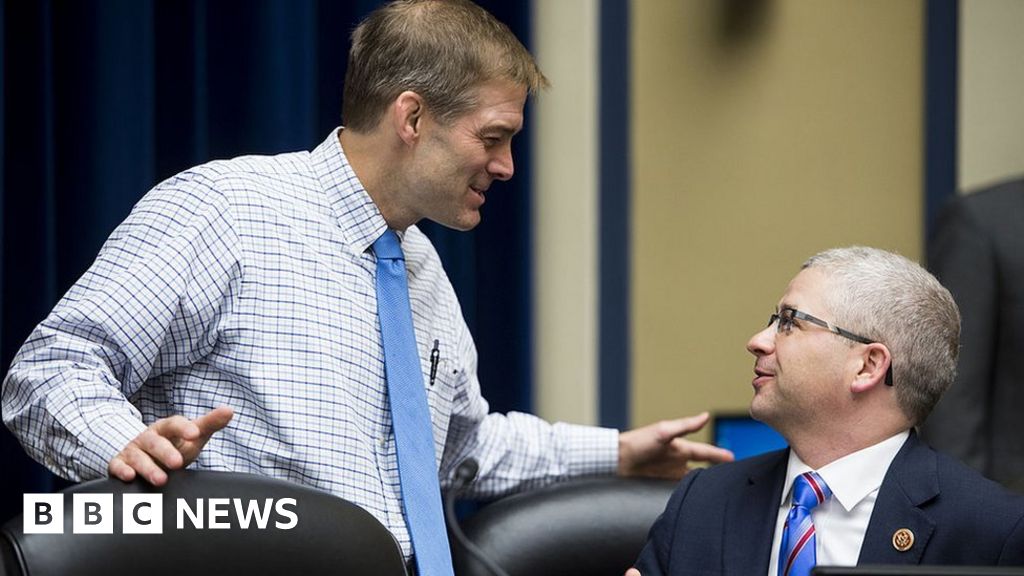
pixel 248 282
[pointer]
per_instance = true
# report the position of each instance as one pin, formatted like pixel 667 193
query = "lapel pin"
pixel 903 539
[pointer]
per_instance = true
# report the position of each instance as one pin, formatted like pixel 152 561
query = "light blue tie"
pixel 797 554
pixel 410 415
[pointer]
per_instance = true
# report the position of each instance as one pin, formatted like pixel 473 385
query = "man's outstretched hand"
pixel 168 444
pixel 659 450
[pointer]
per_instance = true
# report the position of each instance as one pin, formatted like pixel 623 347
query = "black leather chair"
pixel 591 526
pixel 331 535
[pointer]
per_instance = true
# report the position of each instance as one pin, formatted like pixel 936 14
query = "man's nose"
pixel 501 166
pixel 763 343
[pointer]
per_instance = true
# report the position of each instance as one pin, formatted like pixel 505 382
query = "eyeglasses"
pixel 786 316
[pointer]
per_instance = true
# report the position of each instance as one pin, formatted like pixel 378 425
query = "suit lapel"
pixel 910 482
pixel 751 519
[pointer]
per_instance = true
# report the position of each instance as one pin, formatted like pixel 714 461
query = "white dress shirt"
pixel 249 282
pixel 840 522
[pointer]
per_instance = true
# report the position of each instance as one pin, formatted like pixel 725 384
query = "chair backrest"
pixel 329 535
pixel 592 526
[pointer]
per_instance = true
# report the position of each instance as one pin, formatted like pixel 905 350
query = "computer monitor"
pixel 743 435
pixel 914 570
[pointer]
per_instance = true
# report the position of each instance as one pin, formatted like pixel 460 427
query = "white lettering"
pixel 282 511
pixel 93 513
pixel 218 509
pixel 185 510
pixel 253 510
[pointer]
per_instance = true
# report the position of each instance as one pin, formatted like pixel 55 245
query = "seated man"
pixel 857 486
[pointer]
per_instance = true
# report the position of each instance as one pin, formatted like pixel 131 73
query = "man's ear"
pixel 407 116
pixel 874 365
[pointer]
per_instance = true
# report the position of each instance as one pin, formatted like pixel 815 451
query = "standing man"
pixel 860 348
pixel 978 252
pixel 284 316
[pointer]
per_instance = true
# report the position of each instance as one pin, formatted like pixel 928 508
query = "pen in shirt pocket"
pixel 435 357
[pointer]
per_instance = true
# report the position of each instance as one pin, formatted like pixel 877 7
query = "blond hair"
pixel 441 49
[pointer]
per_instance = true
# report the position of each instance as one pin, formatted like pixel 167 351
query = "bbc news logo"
pixel 144 513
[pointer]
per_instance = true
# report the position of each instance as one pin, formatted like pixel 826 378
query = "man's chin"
pixel 463 223
pixel 760 411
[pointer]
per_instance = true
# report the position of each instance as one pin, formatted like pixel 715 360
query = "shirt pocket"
pixel 441 378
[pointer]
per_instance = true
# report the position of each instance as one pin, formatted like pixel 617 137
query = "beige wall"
pixel 759 139
pixel 991 127
pixel 564 216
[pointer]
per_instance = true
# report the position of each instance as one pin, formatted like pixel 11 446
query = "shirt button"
pixel 383 442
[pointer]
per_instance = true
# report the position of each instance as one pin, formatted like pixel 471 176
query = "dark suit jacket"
pixel 977 251
pixel 721 520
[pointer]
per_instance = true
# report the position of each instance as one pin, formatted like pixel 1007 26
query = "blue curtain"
pixel 102 99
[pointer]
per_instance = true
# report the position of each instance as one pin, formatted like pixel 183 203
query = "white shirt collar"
pixel 852 477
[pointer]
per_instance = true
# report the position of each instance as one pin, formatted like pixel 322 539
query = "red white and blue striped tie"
pixel 797 556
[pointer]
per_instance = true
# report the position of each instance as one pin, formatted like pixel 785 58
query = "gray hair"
pixel 892 300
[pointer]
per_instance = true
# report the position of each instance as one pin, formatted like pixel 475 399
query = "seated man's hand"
pixel 168 444
pixel 659 450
